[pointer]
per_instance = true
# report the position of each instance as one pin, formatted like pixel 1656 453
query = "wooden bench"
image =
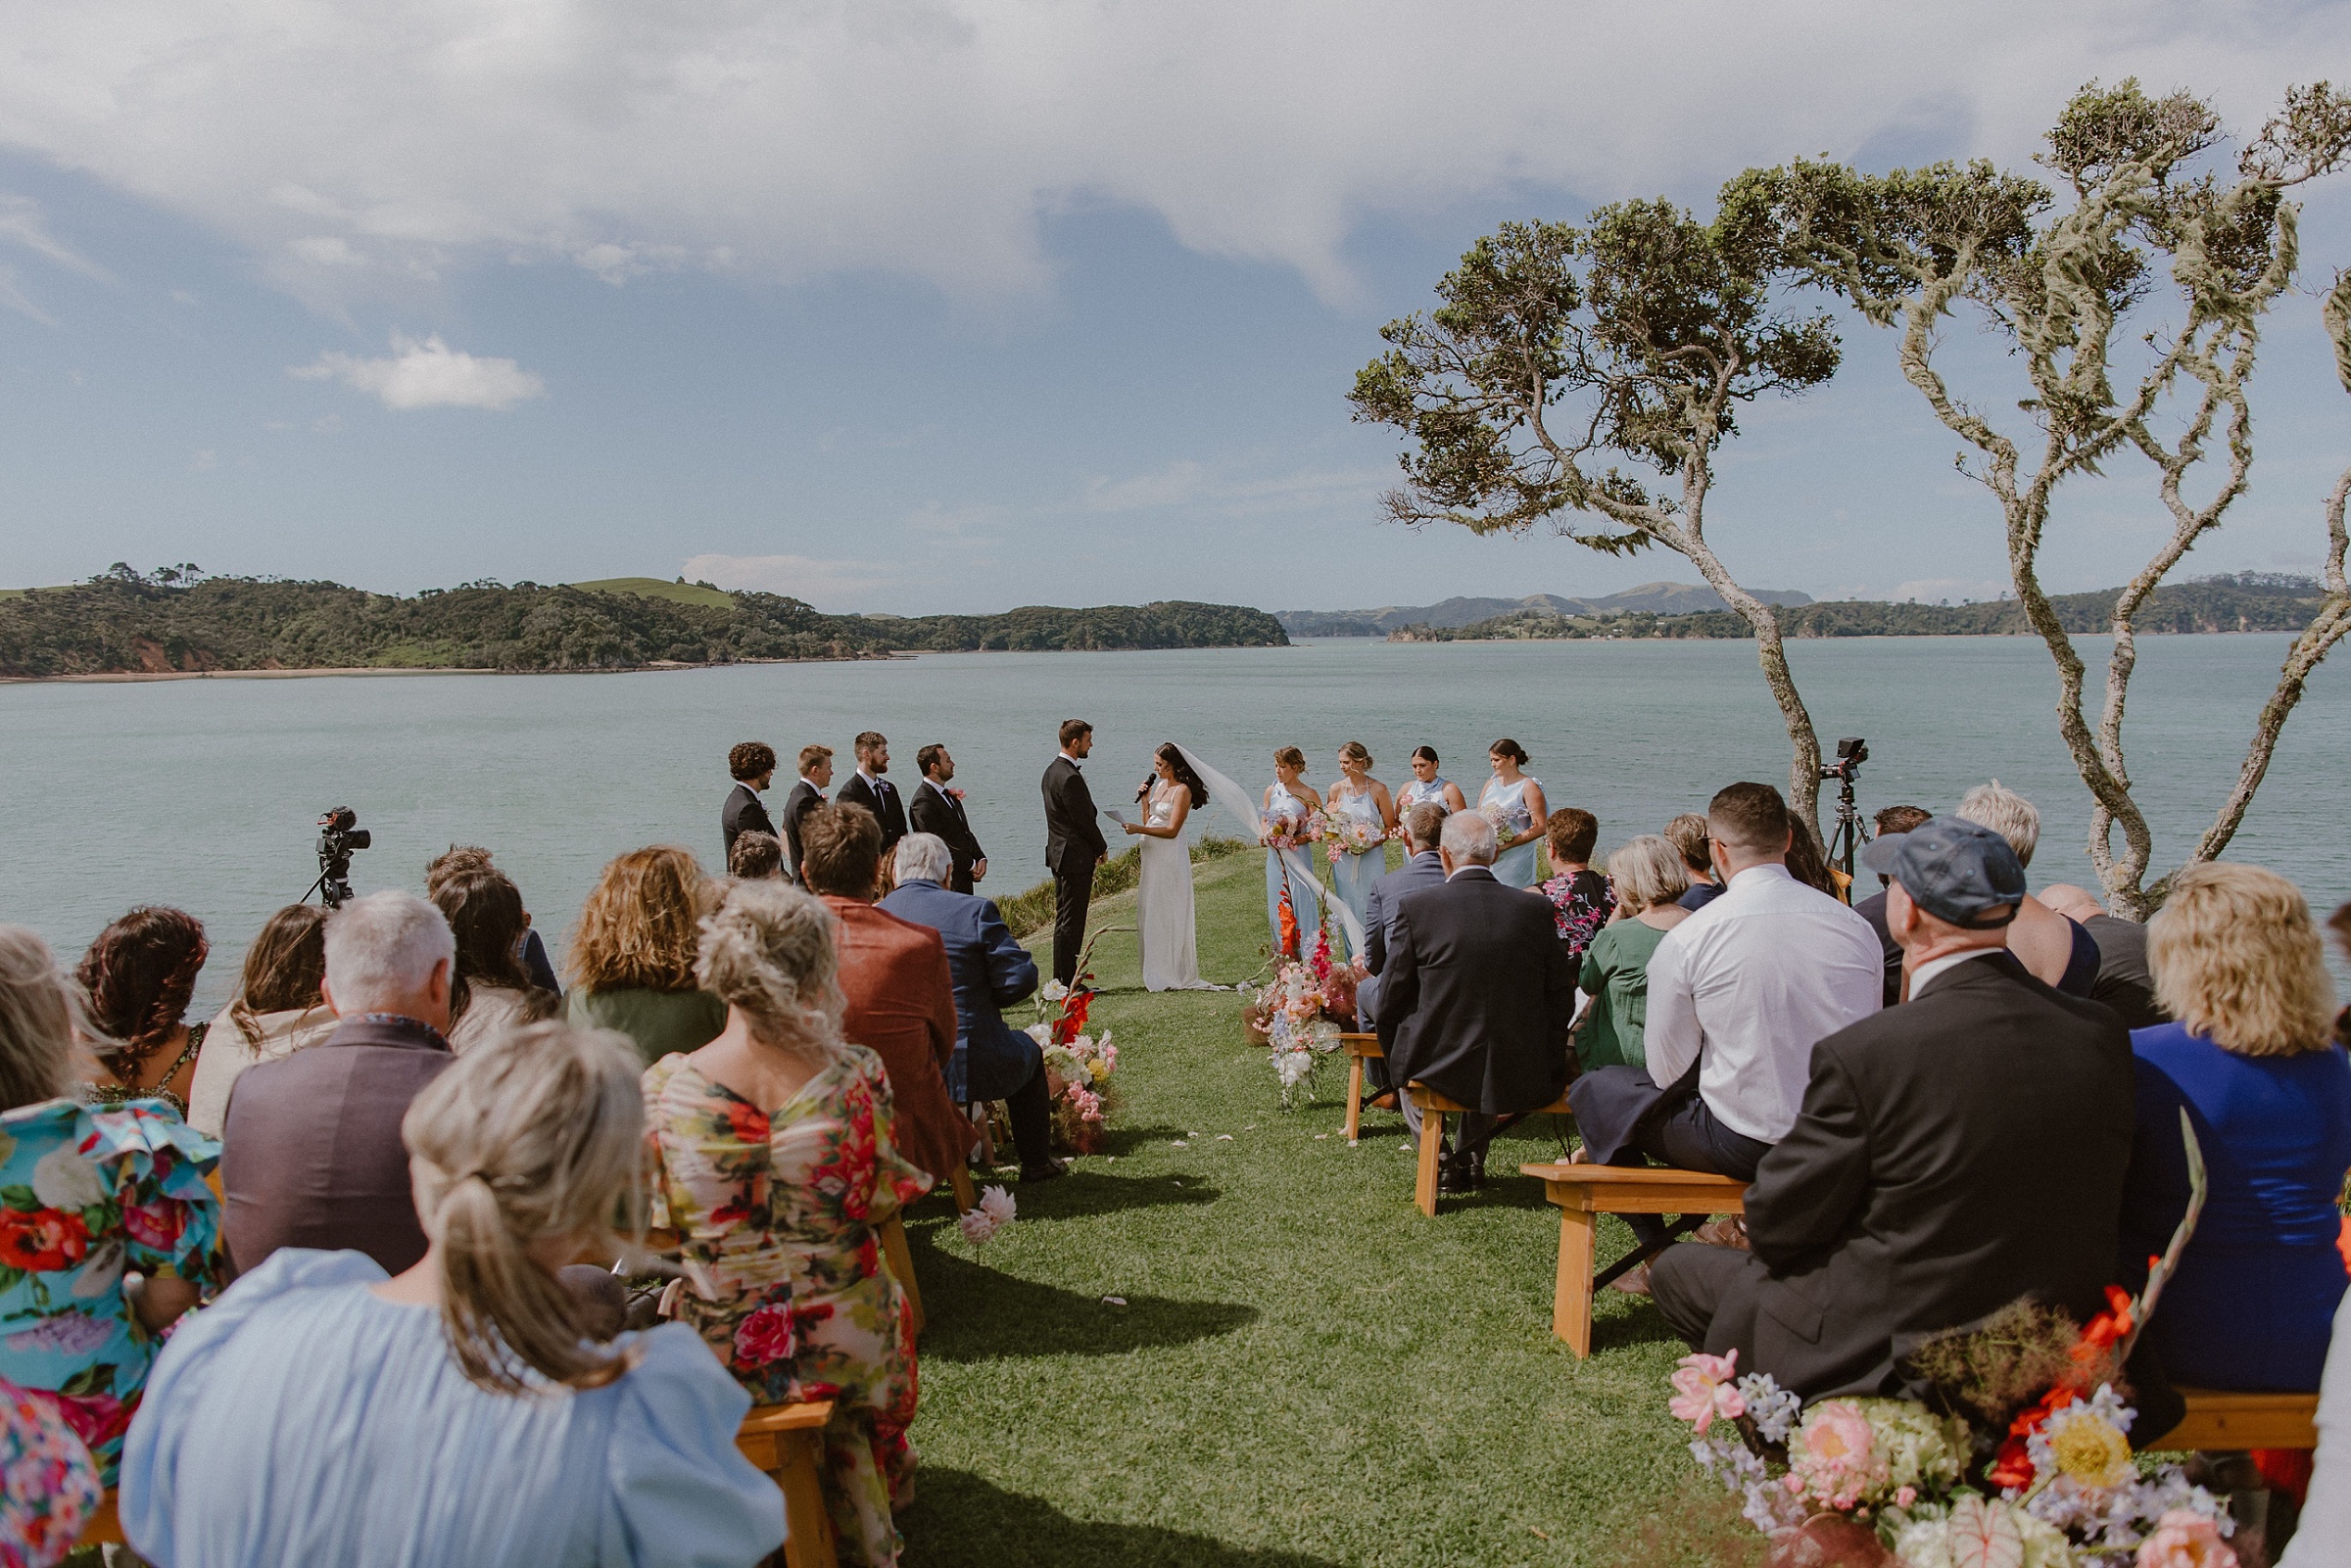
pixel 1359 1048
pixel 1584 1193
pixel 2224 1421
pixel 1434 1109
pixel 900 1260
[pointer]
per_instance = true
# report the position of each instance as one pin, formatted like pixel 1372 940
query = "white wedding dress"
pixel 1170 936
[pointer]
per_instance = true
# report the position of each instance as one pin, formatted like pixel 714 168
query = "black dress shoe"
pixel 1044 1172
pixel 1478 1169
pixel 1453 1175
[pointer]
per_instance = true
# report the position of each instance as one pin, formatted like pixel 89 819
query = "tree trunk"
pixel 1803 762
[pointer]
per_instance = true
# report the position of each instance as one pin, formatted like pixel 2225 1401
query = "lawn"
pixel 1305 1371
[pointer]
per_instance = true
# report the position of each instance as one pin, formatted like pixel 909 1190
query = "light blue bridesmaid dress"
pixel 1352 878
pixel 1514 868
pixel 1287 809
pixel 1416 792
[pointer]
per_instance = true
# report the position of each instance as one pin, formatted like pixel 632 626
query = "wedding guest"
pixel 1512 801
pixel 633 953
pixel 752 763
pixel 1361 799
pixel 899 990
pixel 473 857
pixel 51 1488
pixel 870 787
pixel 2125 982
pixel 460 1412
pixel 2056 951
pixel 1892 819
pixel 1428 786
pixel 1953 1154
pixel 1423 867
pixel 1687 833
pixel 1581 899
pixel 992 970
pixel 312 1156
pixel 138 975
pixel 1808 862
pixel 1290 804
pixel 816 777
pixel 938 810
pixel 777 1156
pixel 2326 1520
pixel 278 1009
pixel 2253 1063
pixel 756 857
pixel 1073 846
pixel 1476 998
pixel 87 1193
pixel 490 992
pixel 1647 878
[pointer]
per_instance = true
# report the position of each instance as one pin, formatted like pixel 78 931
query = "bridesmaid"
pixel 1514 801
pixel 1428 786
pixel 1360 797
pixel 1289 800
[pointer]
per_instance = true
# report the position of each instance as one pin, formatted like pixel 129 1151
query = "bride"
pixel 1171 944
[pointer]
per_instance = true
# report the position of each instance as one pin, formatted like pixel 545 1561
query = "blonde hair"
pixel 637 927
pixel 1355 751
pixel 1647 872
pixel 2001 809
pixel 768 952
pixel 37 1013
pixel 533 1135
pixel 2237 959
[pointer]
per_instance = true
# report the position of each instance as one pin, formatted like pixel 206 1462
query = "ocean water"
pixel 203 793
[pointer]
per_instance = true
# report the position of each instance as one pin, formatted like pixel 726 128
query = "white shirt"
pixel 1936 965
pixel 940 788
pixel 871 782
pixel 1749 984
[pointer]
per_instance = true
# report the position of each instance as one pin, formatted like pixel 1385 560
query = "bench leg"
pixel 1424 1181
pixel 1571 1300
pixel 1355 1097
pixel 800 1476
pixel 901 1267
pixel 966 1199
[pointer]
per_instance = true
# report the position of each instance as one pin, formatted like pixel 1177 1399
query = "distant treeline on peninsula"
pixel 175 621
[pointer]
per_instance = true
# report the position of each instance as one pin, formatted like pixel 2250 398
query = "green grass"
pixel 655 588
pixel 1306 1372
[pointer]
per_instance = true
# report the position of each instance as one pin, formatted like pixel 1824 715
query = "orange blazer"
pixel 902 1007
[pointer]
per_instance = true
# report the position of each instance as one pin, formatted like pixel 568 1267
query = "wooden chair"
pixel 787 1442
pixel 1434 1109
pixel 966 1197
pixel 1359 1048
pixel 1584 1193
pixel 2219 1420
pixel 102 1528
pixel 900 1259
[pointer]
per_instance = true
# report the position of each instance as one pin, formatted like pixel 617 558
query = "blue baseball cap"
pixel 1952 869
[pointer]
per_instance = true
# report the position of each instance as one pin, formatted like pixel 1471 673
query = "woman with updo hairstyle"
pixel 464 1407
pixel 631 957
pixel 138 975
pixel 777 1162
pixel 1290 809
pixel 1362 814
pixel 279 1009
pixel 1428 786
pixel 1512 801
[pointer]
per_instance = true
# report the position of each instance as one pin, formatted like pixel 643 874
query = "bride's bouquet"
pixel 1350 835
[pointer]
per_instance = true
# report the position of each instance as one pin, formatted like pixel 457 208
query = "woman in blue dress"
pixel 1291 809
pixel 1360 808
pixel 1513 802
pixel 1429 787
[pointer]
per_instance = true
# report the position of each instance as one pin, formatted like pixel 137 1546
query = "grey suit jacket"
pixel 1423 869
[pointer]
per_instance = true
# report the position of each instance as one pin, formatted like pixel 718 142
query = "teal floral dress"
pixel 784 1280
pixel 86 1194
pixel 48 1486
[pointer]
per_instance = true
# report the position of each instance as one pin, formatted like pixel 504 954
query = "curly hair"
pixel 637 929
pixel 2237 959
pixel 139 974
pixel 768 952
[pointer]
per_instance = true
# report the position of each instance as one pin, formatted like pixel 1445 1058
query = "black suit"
pixel 805 798
pixel 879 797
pixel 1476 994
pixel 937 812
pixel 742 814
pixel 1953 1154
pixel 1074 843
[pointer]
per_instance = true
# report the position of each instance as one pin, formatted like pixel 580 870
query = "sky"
pixel 917 305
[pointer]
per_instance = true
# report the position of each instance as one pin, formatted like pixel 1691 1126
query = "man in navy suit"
pixel 993 1060
pixel 1423 869
pixel 870 787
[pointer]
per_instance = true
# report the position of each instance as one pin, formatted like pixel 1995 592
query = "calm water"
pixel 202 794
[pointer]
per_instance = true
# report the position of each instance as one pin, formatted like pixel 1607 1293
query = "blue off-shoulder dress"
pixel 303 1419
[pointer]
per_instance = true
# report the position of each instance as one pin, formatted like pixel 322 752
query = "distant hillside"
pixel 125 623
pixel 1658 599
pixel 680 591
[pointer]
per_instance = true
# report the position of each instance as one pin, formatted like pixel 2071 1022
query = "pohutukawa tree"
pixel 2067 283
pixel 1630 343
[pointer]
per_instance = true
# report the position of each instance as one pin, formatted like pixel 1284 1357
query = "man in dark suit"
pixel 1953 1154
pixel 1476 996
pixel 754 765
pixel 1892 821
pixel 1073 846
pixel 939 811
pixel 869 787
pixel 816 777
pixel 1425 867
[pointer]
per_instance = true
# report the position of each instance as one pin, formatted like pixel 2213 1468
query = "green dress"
pixel 659 1022
pixel 1616 975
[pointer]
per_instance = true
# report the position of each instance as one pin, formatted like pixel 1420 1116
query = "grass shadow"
pixel 1081 1193
pixel 978 1313
pixel 959 1520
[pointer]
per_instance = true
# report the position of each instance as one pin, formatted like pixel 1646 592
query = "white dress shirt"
pixel 1749 984
pixel 1936 965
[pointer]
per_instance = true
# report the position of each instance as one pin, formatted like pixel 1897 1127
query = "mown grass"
pixel 1305 1371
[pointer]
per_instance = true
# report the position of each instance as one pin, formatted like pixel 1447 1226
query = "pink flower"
pixel 1904 1496
pixel 2186 1539
pixel 1835 1451
pixel 1702 1391
pixel 765 1337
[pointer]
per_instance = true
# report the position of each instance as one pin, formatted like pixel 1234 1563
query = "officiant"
pixel 938 809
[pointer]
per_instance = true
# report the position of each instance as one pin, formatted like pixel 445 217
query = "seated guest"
pixel 901 989
pixel 458 1412
pixel 1737 997
pixel 1956 1152
pixel 778 1157
pixel 631 957
pixel 491 994
pixel 86 1193
pixel 1581 900
pixel 2326 1509
pixel 756 857
pixel 1807 862
pixel 52 1488
pixel 816 777
pixel 2056 951
pixel 1647 878
pixel 138 975
pixel 2253 1062
pixel 278 1009
pixel 473 857
pixel 992 1061
pixel 312 1156
pixel 1687 833
pixel 1476 996
pixel 2125 982
pixel 753 765
pixel 1892 819
pixel 1423 867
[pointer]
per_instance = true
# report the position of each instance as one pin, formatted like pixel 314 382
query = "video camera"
pixel 1844 843
pixel 1852 752
pixel 339 834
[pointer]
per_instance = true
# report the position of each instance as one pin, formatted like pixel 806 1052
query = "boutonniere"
pixel 954 794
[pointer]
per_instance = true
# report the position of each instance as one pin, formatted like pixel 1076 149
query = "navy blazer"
pixel 993 972
pixel 1423 869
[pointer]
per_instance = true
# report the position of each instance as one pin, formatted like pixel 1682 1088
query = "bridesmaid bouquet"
pixel 1350 834
pixel 1294 831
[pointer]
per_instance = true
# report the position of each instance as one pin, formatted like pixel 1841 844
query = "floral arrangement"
pixel 1294 829
pixel 1078 1065
pixel 994 1211
pixel 1295 1012
pixel 1350 835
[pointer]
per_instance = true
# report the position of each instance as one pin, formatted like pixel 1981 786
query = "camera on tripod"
pixel 339 834
pixel 1852 752
pixel 1846 843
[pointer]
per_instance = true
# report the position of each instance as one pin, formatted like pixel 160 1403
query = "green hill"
pixel 680 591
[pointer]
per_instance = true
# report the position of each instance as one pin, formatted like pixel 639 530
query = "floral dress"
pixel 784 1280
pixel 48 1484
pixel 84 1195
pixel 1581 903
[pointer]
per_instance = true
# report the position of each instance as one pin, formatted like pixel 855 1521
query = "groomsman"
pixel 1073 846
pixel 935 809
pixel 754 765
pixel 816 777
pixel 868 787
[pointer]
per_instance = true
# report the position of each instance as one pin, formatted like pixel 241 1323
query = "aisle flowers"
pixel 1295 1010
pixel 1078 1065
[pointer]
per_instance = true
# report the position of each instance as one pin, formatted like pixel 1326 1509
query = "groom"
pixel 1073 846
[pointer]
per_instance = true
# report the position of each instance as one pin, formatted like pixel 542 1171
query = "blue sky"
pixel 912 305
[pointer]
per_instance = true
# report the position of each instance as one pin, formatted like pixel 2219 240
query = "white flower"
pixel 1041 1033
pixel 992 1212
pixel 1054 991
pixel 64 1179
pixel 1103 1044
pixel 1083 1044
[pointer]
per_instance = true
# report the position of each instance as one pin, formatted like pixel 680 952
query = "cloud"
pixel 427 375
pixel 937 138
pixel 817 582
pixel 1188 483
pixel 23 225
